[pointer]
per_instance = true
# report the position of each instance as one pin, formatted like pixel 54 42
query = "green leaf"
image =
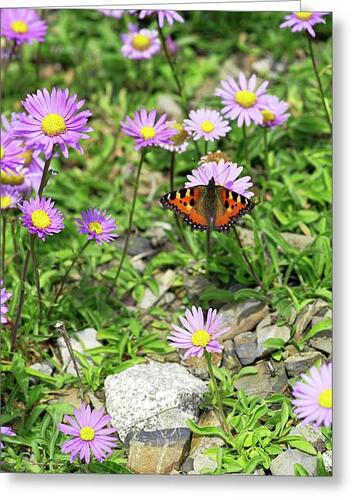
pixel 325 324
pixel 209 431
pixel 300 470
pixel 107 467
pixel 299 443
pixel 19 370
pixel 274 343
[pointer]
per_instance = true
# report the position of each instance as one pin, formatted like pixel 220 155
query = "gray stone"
pixel 157 452
pixel 167 104
pixel 158 233
pixel 86 339
pixel 268 329
pixel 43 367
pixel 301 362
pixel 268 379
pixel 306 315
pixel 284 464
pixel 195 285
pixel 152 397
pixel 327 459
pixel 311 434
pixel 246 347
pixel 263 66
pixel 198 366
pixel 299 241
pixel 137 246
pixel 200 444
pixel 229 358
pixel 322 344
pixel 242 317
pixel 165 282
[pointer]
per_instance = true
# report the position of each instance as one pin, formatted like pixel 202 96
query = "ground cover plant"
pixel 166 191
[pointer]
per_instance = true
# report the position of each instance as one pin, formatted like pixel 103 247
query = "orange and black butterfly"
pixel 211 206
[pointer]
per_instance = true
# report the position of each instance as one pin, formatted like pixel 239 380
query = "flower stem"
pixel 266 152
pixel 125 248
pixel 321 90
pixel 208 245
pixel 3 245
pixel 206 148
pixel 172 169
pixel 217 393
pixel 45 176
pixel 246 260
pixel 245 147
pixel 64 278
pixel 21 300
pixel 37 278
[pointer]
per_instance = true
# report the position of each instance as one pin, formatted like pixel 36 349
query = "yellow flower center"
pixel 40 219
pixel 147 132
pixel 245 98
pixel 268 116
pixel 19 27
pixel 200 338
pixel 28 157
pixel 95 227
pixel 2 152
pixel 12 179
pixel 53 124
pixel 325 398
pixel 141 42
pixel 304 16
pixel 87 434
pixel 182 135
pixel 5 201
pixel 207 126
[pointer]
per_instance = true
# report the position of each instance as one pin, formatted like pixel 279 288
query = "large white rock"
pixel 153 396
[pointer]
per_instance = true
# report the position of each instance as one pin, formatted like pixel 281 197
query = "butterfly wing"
pixel 229 208
pixel 188 203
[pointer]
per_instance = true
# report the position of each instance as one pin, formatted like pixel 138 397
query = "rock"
pixel 230 67
pixel 306 315
pixel 152 397
pixel 322 344
pixel 263 66
pixel 318 319
pixel 250 345
pixel 284 464
pixel 167 104
pixel 229 357
pixel 243 317
pixel 43 367
pixel 86 339
pixel 165 281
pixel 246 347
pixel 311 434
pixel 299 241
pixel 200 444
pixel 195 285
pixel 301 362
pixel 265 381
pixel 158 233
pixel 159 451
pixel 327 459
pixel 198 366
pixel 137 246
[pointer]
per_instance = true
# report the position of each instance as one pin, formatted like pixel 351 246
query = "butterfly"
pixel 211 206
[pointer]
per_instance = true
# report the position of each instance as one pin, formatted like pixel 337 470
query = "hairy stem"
pixel 246 260
pixel 321 90
pixel 3 244
pixel 37 278
pixel 21 299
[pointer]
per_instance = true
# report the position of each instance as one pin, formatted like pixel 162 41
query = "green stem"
pixel 247 261
pixel 3 245
pixel 208 245
pixel 206 144
pixel 245 147
pixel 172 169
pixel 37 278
pixel 129 229
pixel 14 241
pixel 321 90
pixel 65 276
pixel 45 176
pixel 21 299
pixel 266 152
pixel 217 394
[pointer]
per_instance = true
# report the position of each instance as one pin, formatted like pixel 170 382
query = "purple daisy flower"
pixel 225 174
pixel 140 44
pixel 91 434
pixel 242 101
pixel 53 119
pixel 313 397
pixel 4 297
pixel 11 152
pixel 206 124
pixel 274 113
pixel 180 141
pixel 23 26
pixel 6 431
pixel 9 197
pixel 198 334
pixel 170 16
pixel 116 13
pixel 146 130
pixel 98 225
pixel 41 217
pixel 299 21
